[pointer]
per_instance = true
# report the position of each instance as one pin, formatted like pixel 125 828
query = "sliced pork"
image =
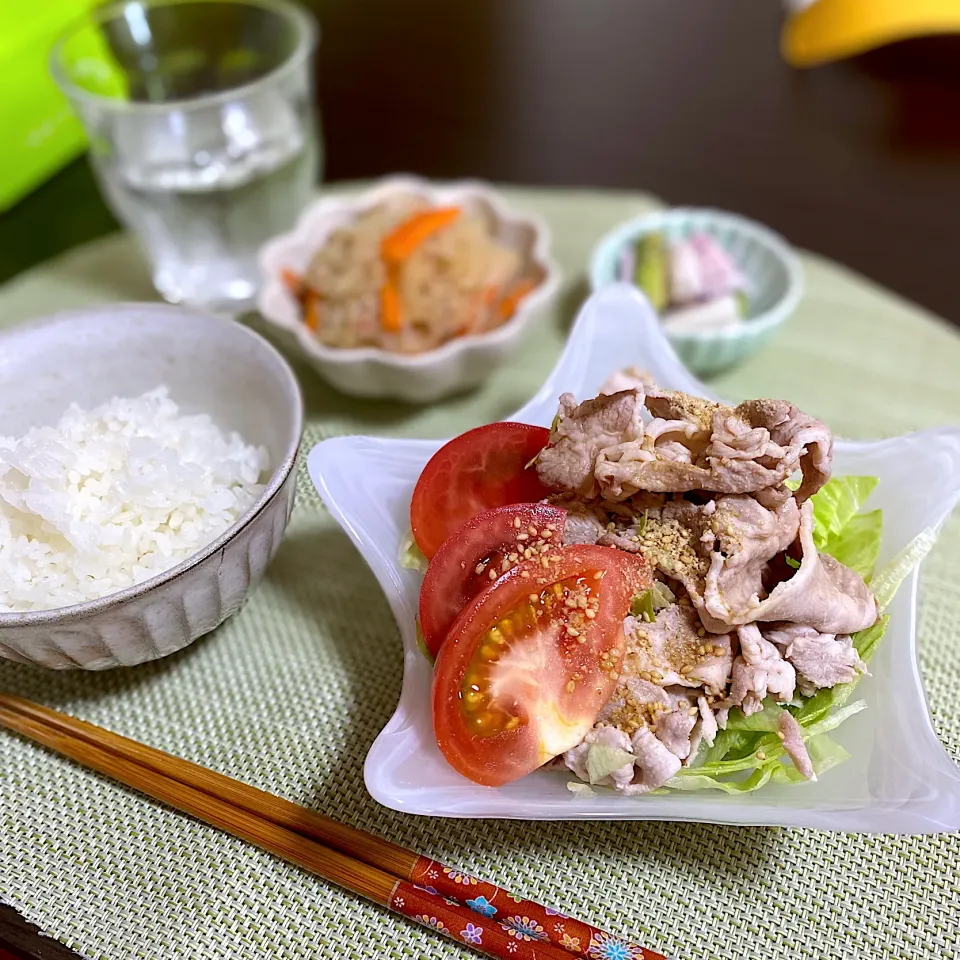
pixel 674 727
pixel 655 764
pixel 758 671
pixel 579 434
pixel 820 659
pixel 823 593
pixel 791 735
pixel 674 650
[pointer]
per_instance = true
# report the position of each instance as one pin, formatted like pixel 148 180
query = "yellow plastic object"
pixel 40 131
pixel 833 29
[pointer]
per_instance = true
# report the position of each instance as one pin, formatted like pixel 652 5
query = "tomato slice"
pixel 529 664
pixel 481 551
pixel 482 468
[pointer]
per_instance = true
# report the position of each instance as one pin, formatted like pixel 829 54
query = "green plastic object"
pixel 41 134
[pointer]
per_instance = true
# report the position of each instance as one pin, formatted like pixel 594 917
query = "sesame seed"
pixel 571 686
pixel 525 574
pixel 492 574
pixel 701 632
pixel 523 536
pixel 527 554
pixel 547 534
pixel 544 562
pixel 516 522
pixel 582 640
pixel 781 735
pixel 761 755
pixel 598 575
pixel 480 568
pixel 591 614
pixel 532 530
pixel 534 598
pixel 573 632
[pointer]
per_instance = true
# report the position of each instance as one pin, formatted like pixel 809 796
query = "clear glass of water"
pixel 203 132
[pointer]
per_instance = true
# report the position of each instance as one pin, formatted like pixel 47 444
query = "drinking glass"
pixel 203 132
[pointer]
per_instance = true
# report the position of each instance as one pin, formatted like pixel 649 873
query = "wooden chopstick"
pixel 497 923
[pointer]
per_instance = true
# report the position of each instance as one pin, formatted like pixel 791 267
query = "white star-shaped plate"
pixel 899 778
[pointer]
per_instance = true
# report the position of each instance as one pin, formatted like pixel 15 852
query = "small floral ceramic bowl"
pixel 373 372
pixel 773 276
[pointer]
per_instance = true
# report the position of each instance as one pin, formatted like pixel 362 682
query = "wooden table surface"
pixel 688 99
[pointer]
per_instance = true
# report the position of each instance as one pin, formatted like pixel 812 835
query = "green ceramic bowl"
pixel 774 277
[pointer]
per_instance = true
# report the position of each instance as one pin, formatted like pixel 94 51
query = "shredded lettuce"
pixel 764 720
pixel 696 781
pixel 857 545
pixel 602 760
pixel 729 744
pixel 765 760
pixel 839 529
pixel 888 580
pixel 835 504
pixel 642 607
pixel 580 789
pixel 825 754
pixel 410 555
pixel 651 601
pixel 642 526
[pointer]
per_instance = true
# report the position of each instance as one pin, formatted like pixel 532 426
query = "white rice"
pixel 111 497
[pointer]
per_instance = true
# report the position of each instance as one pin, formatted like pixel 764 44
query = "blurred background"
pixel 692 100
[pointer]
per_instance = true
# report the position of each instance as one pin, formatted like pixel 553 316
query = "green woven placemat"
pixel 290 694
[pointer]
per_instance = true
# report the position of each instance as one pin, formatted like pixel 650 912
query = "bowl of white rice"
pixel 147 458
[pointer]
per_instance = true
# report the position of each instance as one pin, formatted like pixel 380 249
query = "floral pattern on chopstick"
pixel 605 947
pixel 519 923
pixel 524 928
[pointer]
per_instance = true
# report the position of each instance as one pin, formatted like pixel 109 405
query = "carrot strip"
pixel 293 282
pixel 508 305
pixel 311 310
pixel 390 307
pixel 404 240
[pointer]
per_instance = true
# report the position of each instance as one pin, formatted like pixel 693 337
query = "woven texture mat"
pixel 290 694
